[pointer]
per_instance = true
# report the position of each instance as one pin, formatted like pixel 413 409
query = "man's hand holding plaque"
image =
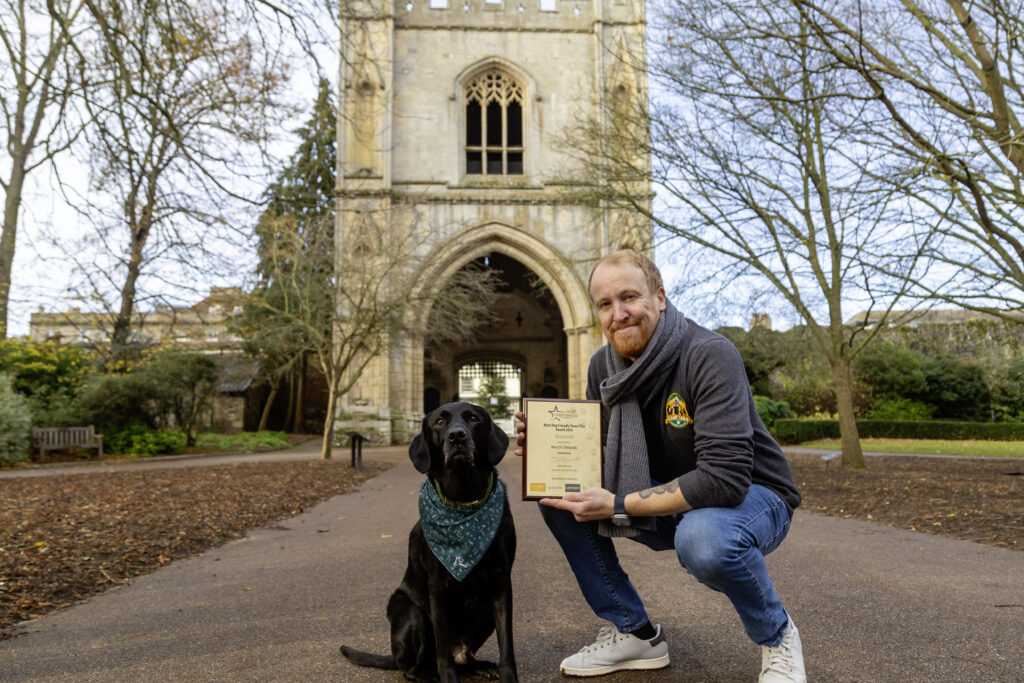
pixel 565 448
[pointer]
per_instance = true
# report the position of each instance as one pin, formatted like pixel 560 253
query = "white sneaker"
pixel 614 651
pixel 784 663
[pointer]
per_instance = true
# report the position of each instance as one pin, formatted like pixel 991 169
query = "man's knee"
pixel 551 515
pixel 701 546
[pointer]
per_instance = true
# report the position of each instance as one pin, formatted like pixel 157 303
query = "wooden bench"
pixel 60 438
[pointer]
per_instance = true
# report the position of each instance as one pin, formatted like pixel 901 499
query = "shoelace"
pixel 780 658
pixel 605 637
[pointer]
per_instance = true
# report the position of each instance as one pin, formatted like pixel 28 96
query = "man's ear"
pixel 662 299
pixel 419 450
pixel 497 444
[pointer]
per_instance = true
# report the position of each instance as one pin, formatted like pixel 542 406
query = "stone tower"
pixel 451 111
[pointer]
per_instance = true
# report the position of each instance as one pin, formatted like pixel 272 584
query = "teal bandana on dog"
pixel 459 535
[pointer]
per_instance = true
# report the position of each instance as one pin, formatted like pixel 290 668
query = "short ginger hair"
pixel 633 258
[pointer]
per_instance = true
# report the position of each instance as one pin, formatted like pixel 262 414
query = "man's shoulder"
pixel 702 336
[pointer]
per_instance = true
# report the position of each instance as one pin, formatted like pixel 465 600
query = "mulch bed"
pixel 974 499
pixel 65 538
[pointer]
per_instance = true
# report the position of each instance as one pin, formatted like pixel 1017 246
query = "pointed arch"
pixel 568 290
pixel 493 63
pixel 559 275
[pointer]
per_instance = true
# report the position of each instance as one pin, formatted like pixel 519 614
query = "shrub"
pixel 112 403
pixel 158 441
pixel 15 422
pixel 958 389
pixel 138 439
pixel 44 368
pixel 1007 384
pixel 890 371
pixel 770 410
pixel 182 384
pixel 900 410
pixel 58 410
pixel 807 389
pixel 799 431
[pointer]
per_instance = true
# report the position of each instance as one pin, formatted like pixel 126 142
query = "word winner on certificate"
pixel 563 447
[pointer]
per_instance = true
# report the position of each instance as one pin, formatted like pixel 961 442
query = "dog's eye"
pixel 440 422
pixel 473 417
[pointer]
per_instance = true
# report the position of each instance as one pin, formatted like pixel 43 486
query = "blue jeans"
pixel 723 548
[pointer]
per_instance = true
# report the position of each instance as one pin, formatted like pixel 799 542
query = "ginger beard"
pixel 630 339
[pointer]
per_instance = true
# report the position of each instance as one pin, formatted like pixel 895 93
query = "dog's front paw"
pixel 484 669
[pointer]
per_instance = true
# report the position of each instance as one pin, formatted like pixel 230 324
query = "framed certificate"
pixel 564 450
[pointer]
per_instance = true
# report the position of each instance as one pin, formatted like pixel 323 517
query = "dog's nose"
pixel 457 435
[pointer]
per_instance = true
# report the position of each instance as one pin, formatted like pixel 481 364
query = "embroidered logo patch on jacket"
pixel 675 411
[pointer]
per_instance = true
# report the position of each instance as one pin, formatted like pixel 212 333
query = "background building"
pixel 202 326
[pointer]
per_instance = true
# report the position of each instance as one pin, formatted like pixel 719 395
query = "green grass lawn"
pixel 999 449
pixel 243 441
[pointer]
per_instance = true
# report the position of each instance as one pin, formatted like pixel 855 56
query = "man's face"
pixel 628 310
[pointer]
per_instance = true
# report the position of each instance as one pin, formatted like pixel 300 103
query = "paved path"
pixel 873 603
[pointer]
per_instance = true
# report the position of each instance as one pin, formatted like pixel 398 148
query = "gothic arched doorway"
pixel 525 346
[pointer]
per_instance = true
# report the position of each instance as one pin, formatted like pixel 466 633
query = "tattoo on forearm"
pixel 670 487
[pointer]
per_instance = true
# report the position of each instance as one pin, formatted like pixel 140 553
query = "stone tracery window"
pixel 494 125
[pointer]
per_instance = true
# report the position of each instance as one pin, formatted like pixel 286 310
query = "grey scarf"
pixel 626 468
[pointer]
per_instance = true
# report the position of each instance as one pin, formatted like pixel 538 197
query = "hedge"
pixel 798 431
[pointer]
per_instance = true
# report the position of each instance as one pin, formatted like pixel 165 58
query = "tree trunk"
pixel 122 324
pixel 842 378
pixel 288 411
pixel 325 451
pixel 300 390
pixel 12 205
pixel 265 415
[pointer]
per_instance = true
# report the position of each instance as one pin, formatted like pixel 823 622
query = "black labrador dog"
pixel 439 621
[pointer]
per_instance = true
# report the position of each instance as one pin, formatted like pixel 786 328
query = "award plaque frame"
pixel 564 450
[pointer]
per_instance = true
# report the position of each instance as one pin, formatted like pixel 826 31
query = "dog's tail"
pixel 369 659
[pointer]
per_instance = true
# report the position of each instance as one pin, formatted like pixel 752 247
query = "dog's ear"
pixel 419 450
pixel 497 444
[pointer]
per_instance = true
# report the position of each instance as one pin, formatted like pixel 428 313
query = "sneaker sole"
pixel 631 665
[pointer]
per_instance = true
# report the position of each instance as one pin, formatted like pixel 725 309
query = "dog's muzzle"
pixel 458 446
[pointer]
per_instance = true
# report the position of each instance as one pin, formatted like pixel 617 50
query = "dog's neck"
pixel 465 487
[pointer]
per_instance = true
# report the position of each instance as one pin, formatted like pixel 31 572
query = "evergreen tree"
pixel 300 204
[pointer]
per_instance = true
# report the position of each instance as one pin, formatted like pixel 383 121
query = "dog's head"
pixel 458 433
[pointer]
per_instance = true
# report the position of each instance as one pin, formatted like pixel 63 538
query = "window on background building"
pixel 494 125
pixel 548 5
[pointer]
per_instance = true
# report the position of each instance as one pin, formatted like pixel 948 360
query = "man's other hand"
pixel 520 433
pixel 586 506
